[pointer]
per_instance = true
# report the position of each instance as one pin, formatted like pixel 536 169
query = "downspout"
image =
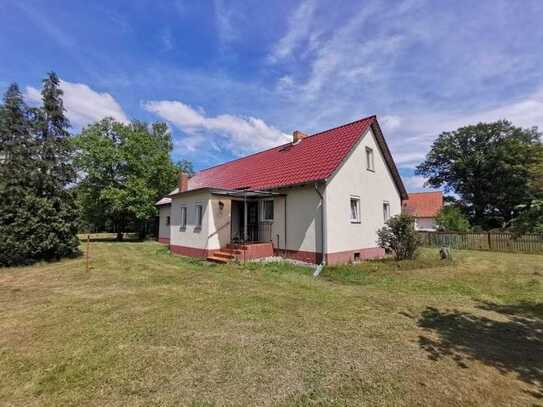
pixel 323 243
pixel 286 247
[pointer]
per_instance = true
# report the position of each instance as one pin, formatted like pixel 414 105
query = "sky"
pixel 234 77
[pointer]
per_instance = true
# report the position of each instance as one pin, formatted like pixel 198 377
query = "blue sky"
pixel 232 77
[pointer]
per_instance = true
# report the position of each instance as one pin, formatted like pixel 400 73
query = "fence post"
pixel 88 249
pixel 489 241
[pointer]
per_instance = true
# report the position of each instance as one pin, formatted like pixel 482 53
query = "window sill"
pixel 266 221
pixel 370 170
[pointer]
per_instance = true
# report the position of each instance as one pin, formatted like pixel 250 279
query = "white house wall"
pixel 163 227
pixel 191 236
pixel 219 223
pixel 303 219
pixel 425 224
pixel 373 188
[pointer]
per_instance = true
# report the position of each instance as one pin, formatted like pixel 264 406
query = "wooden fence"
pixel 499 242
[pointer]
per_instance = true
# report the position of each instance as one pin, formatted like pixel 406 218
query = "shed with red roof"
pixel 424 207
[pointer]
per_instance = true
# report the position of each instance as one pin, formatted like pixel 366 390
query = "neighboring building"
pixel 327 194
pixel 425 207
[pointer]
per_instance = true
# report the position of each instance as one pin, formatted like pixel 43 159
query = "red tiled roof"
pixel 423 204
pixel 314 158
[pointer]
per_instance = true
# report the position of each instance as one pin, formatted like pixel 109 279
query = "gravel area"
pixel 278 259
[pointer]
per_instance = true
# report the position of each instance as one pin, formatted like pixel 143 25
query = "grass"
pixel 147 328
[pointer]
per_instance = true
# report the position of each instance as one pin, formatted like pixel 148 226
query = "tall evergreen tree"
pixel 38 213
pixel 16 178
pixel 56 172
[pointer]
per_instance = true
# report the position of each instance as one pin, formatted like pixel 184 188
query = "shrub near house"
pixel 399 237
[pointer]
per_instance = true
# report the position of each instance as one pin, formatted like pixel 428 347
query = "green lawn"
pixel 147 328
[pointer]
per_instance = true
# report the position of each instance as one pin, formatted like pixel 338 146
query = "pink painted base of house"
pixel 350 255
pixel 334 258
pixel 164 240
pixel 260 250
pixel 190 251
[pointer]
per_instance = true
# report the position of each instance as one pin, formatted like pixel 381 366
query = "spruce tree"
pixel 56 174
pixel 38 213
pixel 17 195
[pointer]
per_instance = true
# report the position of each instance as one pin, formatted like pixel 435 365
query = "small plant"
pixel 399 236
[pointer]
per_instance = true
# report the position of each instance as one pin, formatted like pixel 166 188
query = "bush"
pixel 399 236
pixel 33 229
pixel 452 219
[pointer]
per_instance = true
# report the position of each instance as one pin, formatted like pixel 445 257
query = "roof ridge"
pixel 343 125
pixel 285 144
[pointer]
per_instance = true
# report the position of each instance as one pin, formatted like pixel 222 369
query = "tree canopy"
pixel 489 166
pixel 125 169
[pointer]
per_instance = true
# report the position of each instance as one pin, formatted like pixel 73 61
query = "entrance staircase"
pixel 227 254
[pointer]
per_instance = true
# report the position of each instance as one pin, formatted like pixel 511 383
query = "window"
pixel 386 211
pixel 369 159
pixel 267 210
pixel 183 222
pixel 355 210
pixel 167 220
pixel 199 213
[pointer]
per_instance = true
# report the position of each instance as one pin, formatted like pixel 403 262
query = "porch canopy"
pixel 245 194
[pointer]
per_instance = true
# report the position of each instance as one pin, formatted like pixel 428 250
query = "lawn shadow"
pixel 513 345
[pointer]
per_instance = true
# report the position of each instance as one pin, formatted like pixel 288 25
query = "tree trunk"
pixel 120 236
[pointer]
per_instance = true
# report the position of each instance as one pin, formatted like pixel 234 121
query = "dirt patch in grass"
pixel 147 328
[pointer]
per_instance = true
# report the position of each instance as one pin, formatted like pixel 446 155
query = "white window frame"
pixel 199 209
pixel 370 160
pixel 183 217
pixel 357 218
pixel 263 207
pixel 386 210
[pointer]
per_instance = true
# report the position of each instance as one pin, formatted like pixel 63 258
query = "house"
pixel 319 198
pixel 425 207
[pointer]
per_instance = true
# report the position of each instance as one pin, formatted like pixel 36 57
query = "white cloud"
pixel 414 183
pixel 166 40
pixel 390 122
pixel 83 105
pixel 412 137
pixel 225 21
pixel 299 30
pixel 238 134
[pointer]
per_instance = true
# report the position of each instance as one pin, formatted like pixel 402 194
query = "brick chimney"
pixel 297 136
pixel 183 183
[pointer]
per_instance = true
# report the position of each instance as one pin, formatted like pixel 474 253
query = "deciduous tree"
pixel 488 166
pixel 125 169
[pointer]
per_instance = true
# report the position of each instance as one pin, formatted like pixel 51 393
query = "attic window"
pixel 370 165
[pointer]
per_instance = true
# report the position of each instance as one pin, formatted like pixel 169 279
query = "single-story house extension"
pixel 320 198
pixel 424 207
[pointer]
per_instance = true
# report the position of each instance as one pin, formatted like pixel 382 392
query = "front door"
pixel 252 220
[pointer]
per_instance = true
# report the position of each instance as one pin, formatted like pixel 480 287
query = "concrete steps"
pixel 224 255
